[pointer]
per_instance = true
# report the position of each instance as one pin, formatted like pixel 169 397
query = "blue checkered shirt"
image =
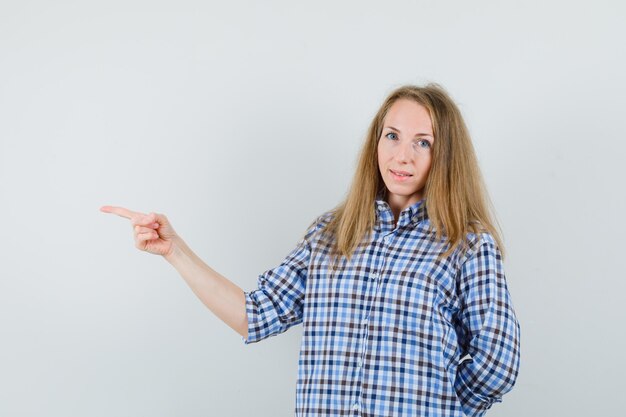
pixel 394 331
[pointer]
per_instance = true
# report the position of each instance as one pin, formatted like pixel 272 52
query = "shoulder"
pixel 477 244
pixel 319 224
pixel 478 239
pixel 325 217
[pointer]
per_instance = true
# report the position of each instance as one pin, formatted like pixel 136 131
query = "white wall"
pixel 241 122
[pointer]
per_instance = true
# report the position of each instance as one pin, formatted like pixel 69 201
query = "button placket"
pixel 365 324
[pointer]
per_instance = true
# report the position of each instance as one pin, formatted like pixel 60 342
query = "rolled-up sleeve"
pixel 277 303
pixel 488 331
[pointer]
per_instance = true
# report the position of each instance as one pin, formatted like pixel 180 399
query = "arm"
pixel 488 330
pixel 271 309
pixel 225 299
pixel 278 302
pixel 154 233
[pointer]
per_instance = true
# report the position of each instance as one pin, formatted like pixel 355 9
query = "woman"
pixel 395 286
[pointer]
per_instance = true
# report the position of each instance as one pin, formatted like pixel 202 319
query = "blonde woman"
pixel 400 288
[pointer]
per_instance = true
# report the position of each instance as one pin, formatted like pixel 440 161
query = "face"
pixel 405 147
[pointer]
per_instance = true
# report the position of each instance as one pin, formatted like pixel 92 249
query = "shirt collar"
pixel 414 213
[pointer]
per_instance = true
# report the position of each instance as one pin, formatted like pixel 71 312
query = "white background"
pixel 241 121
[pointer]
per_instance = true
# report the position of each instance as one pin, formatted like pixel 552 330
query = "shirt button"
pixel 375 275
pixel 359 362
pixel 355 406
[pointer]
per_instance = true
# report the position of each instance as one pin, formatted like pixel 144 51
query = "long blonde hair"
pixel 456 197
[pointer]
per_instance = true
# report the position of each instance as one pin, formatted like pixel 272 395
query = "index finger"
pixel 120 211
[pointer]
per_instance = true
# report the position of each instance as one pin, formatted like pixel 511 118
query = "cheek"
pixel 427 166
pixel 382 152
pixel 423 166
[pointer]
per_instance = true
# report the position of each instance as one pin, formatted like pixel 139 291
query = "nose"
pixel 404 152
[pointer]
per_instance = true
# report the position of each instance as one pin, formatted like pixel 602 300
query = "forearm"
pixel 224 298
pixel 488 330
pixel 492 371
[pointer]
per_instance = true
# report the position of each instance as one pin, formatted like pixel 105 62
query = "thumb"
pixel 160 220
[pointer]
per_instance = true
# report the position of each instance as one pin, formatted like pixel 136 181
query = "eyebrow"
pixel 418 134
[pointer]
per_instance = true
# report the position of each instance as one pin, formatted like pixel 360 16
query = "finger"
pixel 147 228
pixel 142 229
pixel 154 220
pixel 148 220
pixel 120 211
pixel 146 236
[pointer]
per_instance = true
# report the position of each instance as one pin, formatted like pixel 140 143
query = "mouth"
pixel 400 174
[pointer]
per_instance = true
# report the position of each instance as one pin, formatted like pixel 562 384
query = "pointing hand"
pixel 153 233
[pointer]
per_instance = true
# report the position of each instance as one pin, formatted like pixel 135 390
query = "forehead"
pixel 409 117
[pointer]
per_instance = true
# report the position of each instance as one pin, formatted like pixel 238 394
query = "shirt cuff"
pixel 474 405
pixel 249 312
pixel 262 318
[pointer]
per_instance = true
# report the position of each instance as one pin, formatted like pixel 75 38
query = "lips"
pixel 401 173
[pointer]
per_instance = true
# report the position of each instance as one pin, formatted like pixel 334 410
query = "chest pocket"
pixel 339 295
pixel 418 297
pixel 407 300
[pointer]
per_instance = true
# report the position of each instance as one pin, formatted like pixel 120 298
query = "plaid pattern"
pixel 385 333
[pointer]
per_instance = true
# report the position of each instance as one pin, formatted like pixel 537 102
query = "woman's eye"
pixel 423 144
pixel 390 133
